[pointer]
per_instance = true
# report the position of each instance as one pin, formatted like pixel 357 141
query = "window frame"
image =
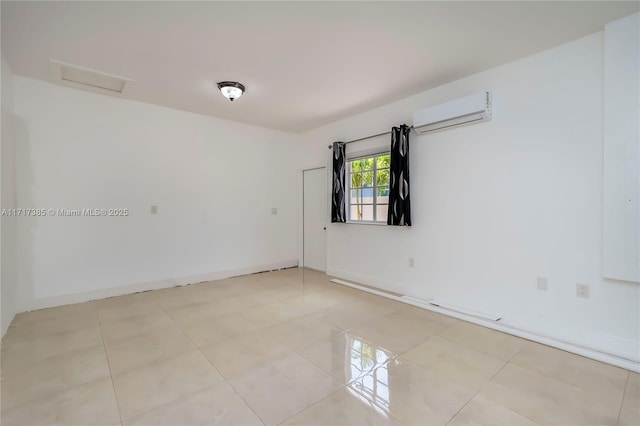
pixel 374 187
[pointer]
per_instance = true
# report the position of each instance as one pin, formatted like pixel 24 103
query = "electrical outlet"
pixel 412 262
pixel 582 291
pixel 154 209
pixel 542 284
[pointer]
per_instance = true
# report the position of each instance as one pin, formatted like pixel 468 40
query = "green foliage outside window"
pixel 363 171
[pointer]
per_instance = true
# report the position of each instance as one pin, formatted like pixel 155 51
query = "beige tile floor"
pixel 290 347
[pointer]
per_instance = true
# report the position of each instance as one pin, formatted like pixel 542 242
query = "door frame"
pixel 301 262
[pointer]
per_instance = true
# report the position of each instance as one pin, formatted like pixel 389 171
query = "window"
pixel 368 199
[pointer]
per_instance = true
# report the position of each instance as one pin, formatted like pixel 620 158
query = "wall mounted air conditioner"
pixel 460 112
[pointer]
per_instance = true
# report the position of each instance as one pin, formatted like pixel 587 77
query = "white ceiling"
pixel 304 64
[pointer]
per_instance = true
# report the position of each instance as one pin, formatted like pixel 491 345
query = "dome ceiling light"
pixel 231 89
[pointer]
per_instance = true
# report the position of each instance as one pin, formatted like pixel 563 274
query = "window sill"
pixel 366 223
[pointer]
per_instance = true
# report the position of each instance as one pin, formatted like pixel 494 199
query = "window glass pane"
pixel 369 190
pixel 382 177
pixel 381 212
pixel 367 179
pixel 356 180
pixel 367 212
pixel 368 163
pixel 361 212
pixel 363 164
pixel 384 161
pixel 357 165
pixel 382 191
pixel 362 196
pixel 354 212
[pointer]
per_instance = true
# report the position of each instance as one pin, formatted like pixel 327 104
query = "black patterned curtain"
pixel 399 200
pixel 338 213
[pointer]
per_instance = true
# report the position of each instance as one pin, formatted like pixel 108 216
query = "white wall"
pixel 214 182
pixel 498 204
pixel 621 210
pixel 8 225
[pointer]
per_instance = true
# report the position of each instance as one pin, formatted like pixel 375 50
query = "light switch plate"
pixel 542 284
pixel 582 290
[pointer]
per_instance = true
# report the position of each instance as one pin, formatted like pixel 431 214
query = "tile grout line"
pixel 546 375
pixel 106 355
pixel 94 309
pixel 400 354
pixel 4 342
pixel 163 359
pixel 214 367
pixel 300 350
pixel 347 386
pixel 313 405
pixel 489 381
pixel 48 357
pixel 308 314
pixel 550 376
pixel 343 386
pixel 387 412
pixel 624 393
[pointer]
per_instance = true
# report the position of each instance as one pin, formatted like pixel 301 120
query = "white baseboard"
pixel 370 281
pixel 619 353
pixel 69 299
pixel 461 309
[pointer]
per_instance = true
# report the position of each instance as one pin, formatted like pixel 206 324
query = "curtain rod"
pixel 369 137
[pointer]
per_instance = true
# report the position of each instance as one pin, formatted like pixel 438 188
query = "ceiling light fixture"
pixel 231 89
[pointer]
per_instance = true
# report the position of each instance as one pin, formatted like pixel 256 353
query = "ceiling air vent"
pixel 84 78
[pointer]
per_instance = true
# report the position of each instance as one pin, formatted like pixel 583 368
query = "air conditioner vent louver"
pixel 75 76
pixel 460 112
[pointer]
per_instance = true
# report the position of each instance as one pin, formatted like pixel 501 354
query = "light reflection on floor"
pixel 373 387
